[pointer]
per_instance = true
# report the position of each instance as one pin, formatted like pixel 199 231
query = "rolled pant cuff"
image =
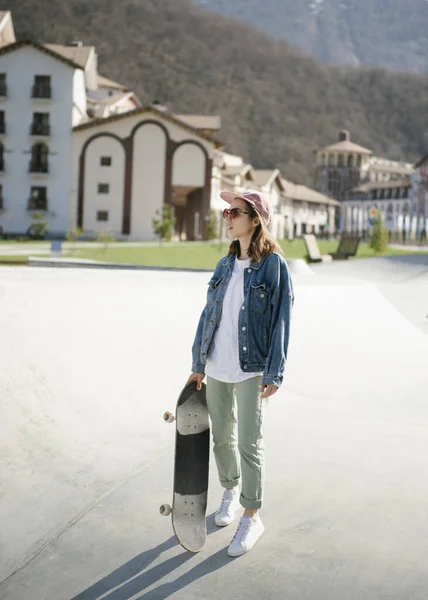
pixel 251 504
pixel 229 484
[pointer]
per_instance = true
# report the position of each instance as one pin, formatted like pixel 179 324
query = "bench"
pixel 348 246
pixel 314 254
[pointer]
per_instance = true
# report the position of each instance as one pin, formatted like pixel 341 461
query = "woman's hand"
pixel 268 390
pixel 198 377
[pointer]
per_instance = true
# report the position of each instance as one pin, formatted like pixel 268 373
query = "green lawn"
pixel 192 255
pixel 203 256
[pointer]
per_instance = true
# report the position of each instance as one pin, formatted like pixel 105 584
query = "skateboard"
pixel 191 464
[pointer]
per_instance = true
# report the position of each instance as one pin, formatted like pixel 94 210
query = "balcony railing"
pixel 3 90
pixel 39 204
pixel 42 91
pixel 40 129
pixel 37 167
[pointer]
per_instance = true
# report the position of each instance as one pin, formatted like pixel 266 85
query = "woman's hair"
pixel 262 242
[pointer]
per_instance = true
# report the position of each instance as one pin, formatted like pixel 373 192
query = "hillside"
pixel 383 33
pixel 276 104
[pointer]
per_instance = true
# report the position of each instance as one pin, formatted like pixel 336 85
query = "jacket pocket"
pixel 259 298
pixel 212 289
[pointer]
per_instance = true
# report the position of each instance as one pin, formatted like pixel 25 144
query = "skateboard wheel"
pixel 165 510
pixel 168 417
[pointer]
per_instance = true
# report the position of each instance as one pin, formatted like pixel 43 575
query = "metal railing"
pixel 42 91
pixel 40 129
pixel 38 167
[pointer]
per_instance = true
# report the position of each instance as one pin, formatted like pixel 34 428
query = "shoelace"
pixel 226 502
pixel 243 528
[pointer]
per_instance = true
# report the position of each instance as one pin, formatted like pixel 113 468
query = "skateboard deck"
pixel 191 466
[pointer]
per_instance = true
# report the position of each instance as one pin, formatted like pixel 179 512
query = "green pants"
pixel 236 412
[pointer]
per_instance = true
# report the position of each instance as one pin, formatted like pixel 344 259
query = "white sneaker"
pixel 228 507
pixel 249 531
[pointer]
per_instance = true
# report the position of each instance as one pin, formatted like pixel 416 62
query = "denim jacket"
pixel 264 319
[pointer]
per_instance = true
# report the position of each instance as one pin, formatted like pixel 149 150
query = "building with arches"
pixel 127 166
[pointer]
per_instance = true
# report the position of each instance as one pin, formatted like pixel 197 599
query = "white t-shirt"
pixel 223 360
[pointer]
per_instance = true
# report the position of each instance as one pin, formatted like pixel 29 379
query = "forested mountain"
pixel 277 105
pixel 384 33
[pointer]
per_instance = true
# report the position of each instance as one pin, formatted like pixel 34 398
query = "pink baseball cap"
pixel 257 199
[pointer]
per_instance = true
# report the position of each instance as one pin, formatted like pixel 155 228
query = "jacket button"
pixel 262 295
pixel 243 308
pixel 249 270
pixel 245 366
pixel 244 348
pixel 244 329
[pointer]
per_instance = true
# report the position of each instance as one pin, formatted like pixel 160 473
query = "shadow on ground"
pixel 132 578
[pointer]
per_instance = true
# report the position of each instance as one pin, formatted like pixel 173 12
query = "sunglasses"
pixel 232 213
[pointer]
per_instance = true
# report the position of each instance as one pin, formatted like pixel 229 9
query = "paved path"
pixel 89 362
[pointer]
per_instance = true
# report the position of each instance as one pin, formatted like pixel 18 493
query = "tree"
pixel 73 235
pixel 212 226
pixel 163 225
pixel 39 225
pixel 106 238
pixel 379 235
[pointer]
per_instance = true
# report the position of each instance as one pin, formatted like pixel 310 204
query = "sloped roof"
pixel 204 122
pixel 109 83
pixel 421 161
pixel 139 111
pixel 305 194
pixel 398 169
pixel 267 176
pixel 3 13
pixel 241 170
pixel 77 54
pixel 346 146
pixel 382 185
pixel 27 43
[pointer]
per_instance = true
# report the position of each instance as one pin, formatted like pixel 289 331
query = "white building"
pixel 128 165
pixel 42 90
pixel 296 208
pixel 45 90
pixel 419 211
pixel 365 185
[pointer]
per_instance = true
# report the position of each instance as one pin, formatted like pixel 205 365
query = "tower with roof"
pixel 341 166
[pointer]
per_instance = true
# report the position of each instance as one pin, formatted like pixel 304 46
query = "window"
pixel 1 197
pixel 102 215
pixel 350 160
pixel 40 125
pixel 105 161
pixel 1 157
pixel 2 123
pixel 103 188
pixel 42 86
pixel 334 182
pixel 38 198
pixel 3 86
pixel 39 159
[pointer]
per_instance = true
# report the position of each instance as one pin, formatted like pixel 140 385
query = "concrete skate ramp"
pixel 90 360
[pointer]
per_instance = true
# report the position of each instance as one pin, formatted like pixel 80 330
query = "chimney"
pixel 76 43
pixel 344 136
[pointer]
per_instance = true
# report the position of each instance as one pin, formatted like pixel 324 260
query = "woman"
pixel 241 345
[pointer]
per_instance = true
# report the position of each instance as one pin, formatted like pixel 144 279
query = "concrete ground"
pixel 90 360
